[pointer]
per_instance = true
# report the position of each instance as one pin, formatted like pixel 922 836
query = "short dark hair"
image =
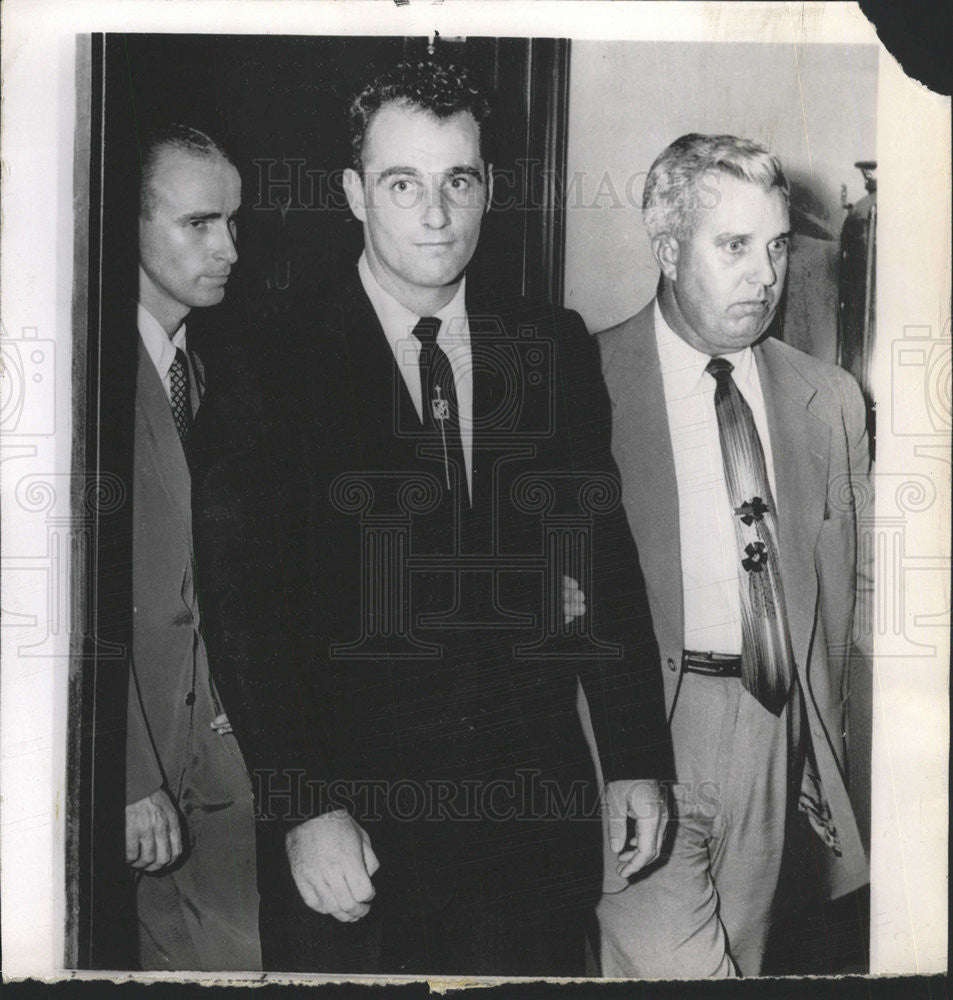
pixel 670 197
pixel 170 135
pixel 441 89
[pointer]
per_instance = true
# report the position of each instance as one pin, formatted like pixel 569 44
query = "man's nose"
pixel 224 247
pixel 436 215
pixel 764 270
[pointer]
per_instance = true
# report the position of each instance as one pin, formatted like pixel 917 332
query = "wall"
pixel 813 105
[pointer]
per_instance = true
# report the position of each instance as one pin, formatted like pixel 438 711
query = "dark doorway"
pixel 279 105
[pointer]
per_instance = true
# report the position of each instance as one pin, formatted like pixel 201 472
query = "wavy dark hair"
pixel 442 89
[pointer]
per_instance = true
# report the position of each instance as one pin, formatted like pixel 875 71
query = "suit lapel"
pixel 373 400
pixel 162 439
pixel 800 445
pixel 487 338
pixel 197 383
pixel 362 351
pixel 642 447
pixel 507 403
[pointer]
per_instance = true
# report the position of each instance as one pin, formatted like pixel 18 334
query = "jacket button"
pixel 671 664
pixel 190 698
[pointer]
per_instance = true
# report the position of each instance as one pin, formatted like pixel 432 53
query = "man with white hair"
pixel 738 457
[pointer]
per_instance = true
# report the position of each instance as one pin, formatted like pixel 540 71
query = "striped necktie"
pixel 767 661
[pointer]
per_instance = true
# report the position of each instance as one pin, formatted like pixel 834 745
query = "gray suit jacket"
pixel 817 426
pixel 169 693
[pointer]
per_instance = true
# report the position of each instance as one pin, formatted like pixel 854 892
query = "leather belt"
pixel 711 664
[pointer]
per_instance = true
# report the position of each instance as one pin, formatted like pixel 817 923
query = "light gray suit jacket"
pixel 169 691
pixel 817 426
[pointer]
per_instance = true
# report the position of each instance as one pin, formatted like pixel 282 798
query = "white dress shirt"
pixel 453 339
pixel 711 562
pixel 159 347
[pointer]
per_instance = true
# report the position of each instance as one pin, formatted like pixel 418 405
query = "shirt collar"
pixel 397 320
pixel 160 349
pixel 683 366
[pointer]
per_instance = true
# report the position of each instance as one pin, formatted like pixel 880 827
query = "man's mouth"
pixel 752 305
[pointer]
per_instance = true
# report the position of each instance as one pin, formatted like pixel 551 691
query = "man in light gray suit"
pixel 739 459
pixel 189 817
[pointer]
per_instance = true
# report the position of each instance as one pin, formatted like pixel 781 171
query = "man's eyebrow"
pixel 467 171
pixel 464 169
pixel 728 236
pixel 392 171
pixel 202 216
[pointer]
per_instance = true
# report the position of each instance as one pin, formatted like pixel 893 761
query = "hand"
pixel 574 599
pixel 332 863
pixel 153 838
pixel 220 724
pixel 645 802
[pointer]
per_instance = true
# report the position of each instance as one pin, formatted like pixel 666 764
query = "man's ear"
pixel 489 188
pixel 354 189
pixel 665 250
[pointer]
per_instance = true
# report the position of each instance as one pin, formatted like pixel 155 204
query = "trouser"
pixel 477 938
pixel 485 924
pixel 467 937
pixel 704 910
pixel 203 913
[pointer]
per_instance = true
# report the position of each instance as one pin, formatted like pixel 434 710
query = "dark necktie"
pixel 181 397
pixel 766 656
pixel 439 400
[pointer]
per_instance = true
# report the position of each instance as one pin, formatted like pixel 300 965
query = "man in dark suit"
pixel 189 818
pixel 386 511
pixel 740 458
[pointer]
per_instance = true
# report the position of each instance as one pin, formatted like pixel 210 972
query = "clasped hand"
pixel 332 863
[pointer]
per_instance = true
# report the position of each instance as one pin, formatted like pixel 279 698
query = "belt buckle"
pixel 711 664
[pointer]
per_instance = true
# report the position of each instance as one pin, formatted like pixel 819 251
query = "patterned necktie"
pixel 766 656
pixel 439 398
pixel 181 397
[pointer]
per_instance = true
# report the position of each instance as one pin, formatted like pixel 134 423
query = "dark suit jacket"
pixel 313 481
pixel 817 425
